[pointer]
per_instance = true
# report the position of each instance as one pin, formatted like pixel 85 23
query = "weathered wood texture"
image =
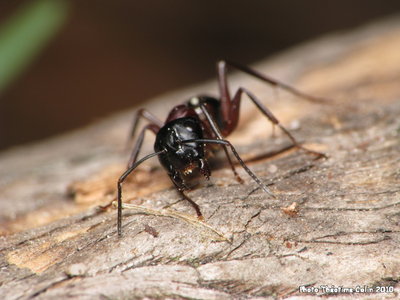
pixel 57 244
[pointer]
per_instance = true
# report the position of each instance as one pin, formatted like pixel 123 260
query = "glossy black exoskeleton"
pixel 181 159
pixel 194 129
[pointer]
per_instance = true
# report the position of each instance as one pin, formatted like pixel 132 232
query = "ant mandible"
pixel 191 130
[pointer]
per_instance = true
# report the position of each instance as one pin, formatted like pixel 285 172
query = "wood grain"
pixel 336 222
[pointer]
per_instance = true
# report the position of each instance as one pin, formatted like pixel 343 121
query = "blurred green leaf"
pixel 26 33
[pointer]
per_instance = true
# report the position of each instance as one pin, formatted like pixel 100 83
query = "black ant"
pixel 186 138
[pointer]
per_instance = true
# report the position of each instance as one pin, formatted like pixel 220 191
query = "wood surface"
pixel 336 221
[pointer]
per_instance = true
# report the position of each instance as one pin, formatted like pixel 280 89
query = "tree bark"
pixel 335 222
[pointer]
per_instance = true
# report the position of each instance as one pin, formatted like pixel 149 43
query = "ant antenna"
pixel 227 143
pixel 121 180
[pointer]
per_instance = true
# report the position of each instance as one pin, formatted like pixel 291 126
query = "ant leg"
pixel 181 187
pixel 135 121
pixel 227 143
pixel 236 154
pixel 217 132
pixel 194 204
pixel 135 152
pixel 252 175
pixel 132 164
pixel 272 81
pixel 230 108
pixel 119 186
pixel 272 118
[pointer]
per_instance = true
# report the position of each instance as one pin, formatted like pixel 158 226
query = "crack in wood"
pixel 49 286
pixel 350 208
pixel 313 241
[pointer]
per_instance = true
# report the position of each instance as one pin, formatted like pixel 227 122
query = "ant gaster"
pixel 191 131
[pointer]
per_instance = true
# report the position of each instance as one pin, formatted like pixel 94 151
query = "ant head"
pixel 181 159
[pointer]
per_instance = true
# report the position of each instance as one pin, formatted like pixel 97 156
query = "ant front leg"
pixel 194 204
pixel 236 154
pixel 230 107
pixel 218 134
pixel 181 187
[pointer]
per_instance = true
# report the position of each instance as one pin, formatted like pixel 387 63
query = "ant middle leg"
pixel 266 112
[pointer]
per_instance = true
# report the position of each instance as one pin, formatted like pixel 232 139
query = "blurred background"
pixel 65 64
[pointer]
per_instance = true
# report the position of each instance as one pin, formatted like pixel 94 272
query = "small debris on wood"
pixel 151 230
pixel 77 270
pixel 291 210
